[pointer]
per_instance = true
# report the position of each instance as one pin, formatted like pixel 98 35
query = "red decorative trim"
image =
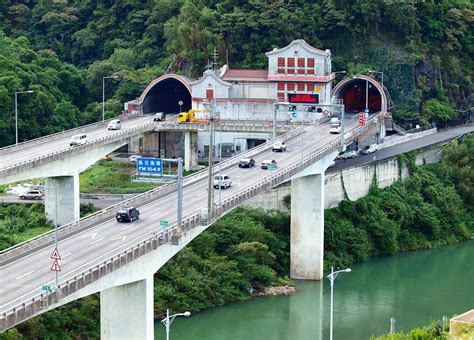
pixel 320 79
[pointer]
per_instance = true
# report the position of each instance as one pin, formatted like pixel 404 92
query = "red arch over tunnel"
pixel 352 92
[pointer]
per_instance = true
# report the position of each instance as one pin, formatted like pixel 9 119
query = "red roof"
pixel 241 73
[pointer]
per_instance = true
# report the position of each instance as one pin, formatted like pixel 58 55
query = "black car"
pixel 246 163
pixel 127 214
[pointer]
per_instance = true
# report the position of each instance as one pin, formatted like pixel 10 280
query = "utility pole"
pixel 180 192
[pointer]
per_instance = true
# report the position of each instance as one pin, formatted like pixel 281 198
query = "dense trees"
pixel 425 49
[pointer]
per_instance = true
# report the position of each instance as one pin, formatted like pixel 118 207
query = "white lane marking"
pixel 66 255
pixel 26 274
pixel 128 226
pixel 96 241
pixel 159 212
pixel 93 235
pixel 122 238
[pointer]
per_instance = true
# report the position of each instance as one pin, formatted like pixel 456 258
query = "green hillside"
pixel 62 49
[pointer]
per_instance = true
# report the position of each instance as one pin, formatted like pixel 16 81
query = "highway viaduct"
pixel 119 261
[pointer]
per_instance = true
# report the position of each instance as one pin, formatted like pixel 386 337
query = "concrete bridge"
pixel 119 260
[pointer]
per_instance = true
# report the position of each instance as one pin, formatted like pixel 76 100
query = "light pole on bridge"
pixel 103 94
pixel 16 113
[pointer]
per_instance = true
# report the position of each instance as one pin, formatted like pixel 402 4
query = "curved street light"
pixel 169 320
pixel 103 93
pixel 16 113
pixel 332 277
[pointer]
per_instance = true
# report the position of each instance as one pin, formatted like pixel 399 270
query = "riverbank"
pixel 275 291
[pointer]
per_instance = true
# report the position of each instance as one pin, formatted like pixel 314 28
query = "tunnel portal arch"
pixel 353 93
pixel 164 93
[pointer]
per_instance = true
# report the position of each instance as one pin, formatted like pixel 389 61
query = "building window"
pixel 310 62
pixel 310 71
pixel 309 87
pixel 281 96
pixel 291 62
pixel 281 71
pixel 301 71
pixel 281 86
pixel 290 87
pixel 300 62
pixel 300 87
pixel 281 62
pixel 291 71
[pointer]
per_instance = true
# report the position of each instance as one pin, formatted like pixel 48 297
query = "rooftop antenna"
pixel 215 56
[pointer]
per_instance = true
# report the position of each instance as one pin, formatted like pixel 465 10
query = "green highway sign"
pixel 272 167
pixel 47 288
pixel 164 223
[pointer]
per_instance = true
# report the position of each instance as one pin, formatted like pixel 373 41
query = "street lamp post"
pixel 16 113
pixel 103 94
pixel 169 320
pixel 55 223
pixel 210 174
pixel 332 277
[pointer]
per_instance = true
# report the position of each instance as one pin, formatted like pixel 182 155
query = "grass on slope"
pixel 111 177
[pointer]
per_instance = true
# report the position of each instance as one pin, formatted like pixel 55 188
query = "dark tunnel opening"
pixel 354 96
pixel 165 97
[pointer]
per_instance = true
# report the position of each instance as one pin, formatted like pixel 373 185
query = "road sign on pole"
pixel 55 267
pixel 164 223
pixel 47 288
pixel 55 255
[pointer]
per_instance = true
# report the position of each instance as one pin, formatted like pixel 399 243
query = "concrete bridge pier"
pixel 126 311
pixel 68 204
pixel 190 150
pixel 307 227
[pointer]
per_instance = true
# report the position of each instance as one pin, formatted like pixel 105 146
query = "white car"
pixel 224 180
pixel 31 195
pixel 114 124
pixel 369 149
pixel 78 139
pixel 279 146
pixel 133 159
pixel 335 128
pixel 347 154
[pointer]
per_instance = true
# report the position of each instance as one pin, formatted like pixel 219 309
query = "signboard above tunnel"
pixel 303 98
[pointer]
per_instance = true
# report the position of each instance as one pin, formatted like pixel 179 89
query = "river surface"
pixel 414 288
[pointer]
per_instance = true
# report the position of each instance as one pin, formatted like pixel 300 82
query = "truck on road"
pixel 194 116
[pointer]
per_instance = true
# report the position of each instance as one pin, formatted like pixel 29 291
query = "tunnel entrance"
pixel 164 95
pixel 356 98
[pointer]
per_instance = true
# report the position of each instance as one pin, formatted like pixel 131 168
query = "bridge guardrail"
pixel 119 135
pixel 54 136
pixel 42 300
pixel 139 199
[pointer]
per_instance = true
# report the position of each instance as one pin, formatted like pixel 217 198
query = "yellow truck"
pixel 194 116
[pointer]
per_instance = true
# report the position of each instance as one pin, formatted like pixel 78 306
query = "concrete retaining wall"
pixel 357 181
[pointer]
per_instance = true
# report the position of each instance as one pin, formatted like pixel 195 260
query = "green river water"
pixel 414 288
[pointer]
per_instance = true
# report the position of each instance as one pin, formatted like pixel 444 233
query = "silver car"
pixel 31 195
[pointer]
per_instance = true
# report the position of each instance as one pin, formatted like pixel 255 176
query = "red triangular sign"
pixel 55 267
pixel 56 255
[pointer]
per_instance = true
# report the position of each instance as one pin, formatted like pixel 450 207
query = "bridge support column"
pixel 190 150
pixel 126 312
pixel 150 144
pixel 307 227
pixel 68 204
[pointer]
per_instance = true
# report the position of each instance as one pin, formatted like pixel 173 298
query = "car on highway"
pixel 335 128
pixel 279 146
pixel 159 117
pixel 114 124
pixel 266 163
pixel 369 149
pixel 246 163
pixel 127 214
pixel 224 181
pixel 78 139
pixel 31 195
pixel 347 154
pixel 133 159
